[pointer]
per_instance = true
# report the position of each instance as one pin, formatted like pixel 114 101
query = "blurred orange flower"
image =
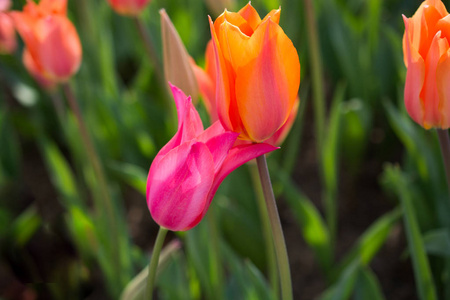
pixel 252 74
pixel 128 7
pixel 426 54
pixel 53 48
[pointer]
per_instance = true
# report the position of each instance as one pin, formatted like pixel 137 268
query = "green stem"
pixel 216 264
pixel 153 266
pixel 267 231
pixel 444 141
pixel 317 73
pixel 319 109
pixel 277 231
pixel 106 205
pixel 150 49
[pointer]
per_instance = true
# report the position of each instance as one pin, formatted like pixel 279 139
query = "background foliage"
pixel 361 188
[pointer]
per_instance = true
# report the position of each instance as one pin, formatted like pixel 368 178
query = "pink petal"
pixel 178 185
pixel 236 157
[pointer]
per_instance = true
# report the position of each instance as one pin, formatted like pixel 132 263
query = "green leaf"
pixel 367 286
pixel 437 242
pixel 131 174
pixel 344 287
pixel 422 272
pixel 371 240
pixel 313 227
pixel 25 226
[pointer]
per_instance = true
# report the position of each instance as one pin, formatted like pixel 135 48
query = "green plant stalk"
pixel 422 271
pixel 317 73
pixel 267 232
pixel 106 205
pixel 444 142
pixel 277 231
pixel 153 266
pixel 216 261
pixel 150 49
pixel 319 109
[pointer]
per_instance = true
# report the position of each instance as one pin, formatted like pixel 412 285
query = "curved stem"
pixel 150 49
pixel 105 206
pixel 277 231
pixel 153 266
pixel 267 232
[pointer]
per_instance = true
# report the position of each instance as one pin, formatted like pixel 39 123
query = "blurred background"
pixel 354 178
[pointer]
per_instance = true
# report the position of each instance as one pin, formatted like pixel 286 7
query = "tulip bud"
pixel 7 34
pixel 177 62
pixel 128 7
pixel 188 170
pixel 427 58
pixel 51 40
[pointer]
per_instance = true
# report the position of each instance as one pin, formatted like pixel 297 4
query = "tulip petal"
pixel 222 82
pixel 235 19
pixel 58 7
pixel 280 135
pixel 442 80
pixel 219 146
pixel 415 76
pixel 269 82
pixel 60 49
pixel 24 25
pixel 236 157
pixel 429 94
pixel 232 41
pixel 178 186
pixel 177 66
pixel 250 15
pixel 274 15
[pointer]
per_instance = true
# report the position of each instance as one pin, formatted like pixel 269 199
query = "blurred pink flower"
pixel 8 43
pixel 188 170
pixel 128 7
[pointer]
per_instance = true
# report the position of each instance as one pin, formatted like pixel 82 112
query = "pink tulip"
pixel 188 170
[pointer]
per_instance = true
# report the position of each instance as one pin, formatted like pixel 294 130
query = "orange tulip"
pixel 51 40
pixel 426 53
pixel 257 73
pixel 128 7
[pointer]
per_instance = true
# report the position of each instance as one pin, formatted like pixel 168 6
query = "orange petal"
pixel 250 15
pixel 222 81
pixel 442 80
pixel 274 15
pixel 58 7
pixel 177 66
pixel 235 19
pixel 429 94
pixel 233 43
pixel 267 86
pixel 25 26
pixel 415 77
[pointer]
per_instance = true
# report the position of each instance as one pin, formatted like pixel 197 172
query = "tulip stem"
pixel 106 205
pixel 267 232
pixel 444 141
pixel 150 49
pixel 153 266
pixel 277 231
